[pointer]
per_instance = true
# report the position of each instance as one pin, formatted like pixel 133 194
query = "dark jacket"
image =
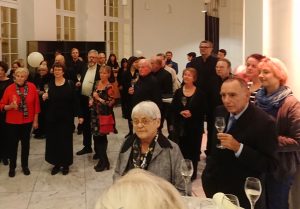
pixel 147 88
pixel 224 172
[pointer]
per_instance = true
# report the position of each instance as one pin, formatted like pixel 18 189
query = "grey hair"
pixel 147 108
pixel 93 51
pixel 22 70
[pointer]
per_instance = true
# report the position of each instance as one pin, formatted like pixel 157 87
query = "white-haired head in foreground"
pixel 146 108
pixel 139 189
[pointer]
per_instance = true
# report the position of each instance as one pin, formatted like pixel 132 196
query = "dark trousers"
pixel 130 126
pixel 86 126
pixel 277 192
pixel 16 133
pixel 42 119
pixel 101 143
pixel 3 138
pixel 210 130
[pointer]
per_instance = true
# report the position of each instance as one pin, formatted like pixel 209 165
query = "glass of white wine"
pixel 186 169
pixel 220 126
pixel 183 101
pixel 252 190
pixel 46 87
pixel 78 77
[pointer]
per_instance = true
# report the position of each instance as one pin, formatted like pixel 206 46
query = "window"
pixel 118 28
pixel 9 34
pixel 111 26
pixel 66 20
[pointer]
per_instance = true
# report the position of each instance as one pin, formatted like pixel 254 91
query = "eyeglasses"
pixel 143 121
pixel 204 47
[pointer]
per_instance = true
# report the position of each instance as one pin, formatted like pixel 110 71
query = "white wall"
pixel 231 30
pixel 281 40
pixel 156 30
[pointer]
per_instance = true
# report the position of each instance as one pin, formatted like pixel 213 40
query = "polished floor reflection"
pixel 77 190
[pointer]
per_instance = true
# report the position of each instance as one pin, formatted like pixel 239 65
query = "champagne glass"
pixel 132 83
pixel 252 190
pixel 183 101
pixel 220 126
pixel 46 87
pixel 186 169
pixel 78 76
pixel 230 200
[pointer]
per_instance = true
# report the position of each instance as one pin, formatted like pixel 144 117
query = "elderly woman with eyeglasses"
pixel 148 148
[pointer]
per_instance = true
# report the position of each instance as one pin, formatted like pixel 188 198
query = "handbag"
pixel 106 124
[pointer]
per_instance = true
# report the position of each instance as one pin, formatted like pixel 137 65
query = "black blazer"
pixel 226 173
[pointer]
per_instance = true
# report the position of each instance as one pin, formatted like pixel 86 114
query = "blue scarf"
pixel 272 103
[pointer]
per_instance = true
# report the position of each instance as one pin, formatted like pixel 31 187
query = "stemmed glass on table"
pixel 252 190
pixel 230 200
pixel 186 169
pixel 220 126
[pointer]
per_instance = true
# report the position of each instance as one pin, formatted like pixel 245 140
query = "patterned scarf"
pixel 23 105
pixel 272 103
pixel 142 160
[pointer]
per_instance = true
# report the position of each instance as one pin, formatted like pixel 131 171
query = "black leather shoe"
pixel 84 151
pixel 26 171
pixel 55 170
pixel 65 170
pixel 11 173
pixel 5 161
pixel 79 132
pixel 101 166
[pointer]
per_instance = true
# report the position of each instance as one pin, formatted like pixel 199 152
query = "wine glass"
pixel 220 126
pixel 186 169
pixel 183 101
pixel 252 190
pixel 46 88
pixel 132 83
pixel 230 200
pixel 78 76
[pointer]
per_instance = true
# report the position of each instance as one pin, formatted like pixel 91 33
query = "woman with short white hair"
pixel 141 189
pixel 21 103
pixel 148 148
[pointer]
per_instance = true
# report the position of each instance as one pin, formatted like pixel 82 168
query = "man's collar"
pixel 237 116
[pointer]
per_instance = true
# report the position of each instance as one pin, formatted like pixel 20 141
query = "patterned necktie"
pixel 231 123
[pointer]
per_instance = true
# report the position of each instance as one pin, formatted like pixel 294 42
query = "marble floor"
pixel 79 189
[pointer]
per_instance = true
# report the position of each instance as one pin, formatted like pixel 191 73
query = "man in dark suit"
pixel 146 87
pixel 205 66
pixel 249 145
pixel 88 78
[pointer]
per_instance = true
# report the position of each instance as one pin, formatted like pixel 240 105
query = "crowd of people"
pixel 261 138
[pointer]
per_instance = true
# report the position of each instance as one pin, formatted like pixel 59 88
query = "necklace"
pixel 142 160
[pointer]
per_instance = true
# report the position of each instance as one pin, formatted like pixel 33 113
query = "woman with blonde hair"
pixel 102 104
pixel 278 101
pixel 141 189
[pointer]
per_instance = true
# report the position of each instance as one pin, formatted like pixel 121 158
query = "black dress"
pixel 62 107
pixel 188 131
pixel 3 137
